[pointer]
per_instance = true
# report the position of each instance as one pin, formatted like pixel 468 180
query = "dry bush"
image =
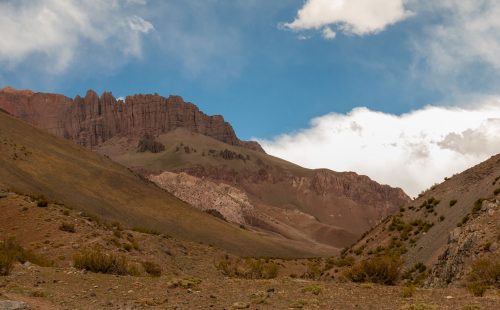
pixel 11 251
pixel 248 268
pixel 379 269
pixel 485 272
pixel 152 269
pixel 94 260
pixel 67 227
pixel 408 291
pixel 6 263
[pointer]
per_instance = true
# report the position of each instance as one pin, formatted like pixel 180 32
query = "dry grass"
pixel 152 269
pixel 67 227
pixel 380 269
pixel 11 252
pixel 95 260
pixel 485 272
pixel 248 268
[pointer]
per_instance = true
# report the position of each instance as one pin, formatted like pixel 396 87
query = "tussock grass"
pixel 95 260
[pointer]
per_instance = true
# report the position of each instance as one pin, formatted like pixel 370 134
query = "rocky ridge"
pixel 92 120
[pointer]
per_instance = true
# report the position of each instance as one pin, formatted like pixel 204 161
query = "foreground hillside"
pixel 183 150
pixel 36 162
pixel 448 228
pixel 166 273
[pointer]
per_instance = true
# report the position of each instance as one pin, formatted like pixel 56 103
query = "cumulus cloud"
pixel 359 17
pixel 56 32
pixel 412 151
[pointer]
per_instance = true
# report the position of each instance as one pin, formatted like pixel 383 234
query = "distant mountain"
pixel 183 150
pixel 92 120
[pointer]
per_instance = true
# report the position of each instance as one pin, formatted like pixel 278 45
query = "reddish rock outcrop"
pixel 92 120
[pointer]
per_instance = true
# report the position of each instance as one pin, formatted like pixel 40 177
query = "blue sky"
pixel 277 70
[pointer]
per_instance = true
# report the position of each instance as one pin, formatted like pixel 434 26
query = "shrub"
pixel 408 291
pixel 6 263
pixel 477 206
pixel 148 143
pixel 380 269
pixel 42 203
pixel 486 270
pixel 11 251
pixel 453 202
pixel 314 289
pixel 497 191
pixel 67 227
pixel 248 268
pixel 152 269
pixel 477 289
pixel 94 260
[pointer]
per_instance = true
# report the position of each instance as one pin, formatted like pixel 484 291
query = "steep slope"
pixel 153 135
pixel 447 227
pixel 33 161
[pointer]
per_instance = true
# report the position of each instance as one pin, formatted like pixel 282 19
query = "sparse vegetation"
pixel 408 291
pixel 95 260
pixel 248 268
pixel 42 202
pixel 148 143
pixel 477 206
pixel 67 227
pixel 477 289
pixel 430 204
pixel 11 252
pixel 485 272
pixel 380 269
pixel 314 289
pixel 416 274
pixel 152 269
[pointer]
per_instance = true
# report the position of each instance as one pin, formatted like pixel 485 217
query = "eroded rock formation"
pixel 92 120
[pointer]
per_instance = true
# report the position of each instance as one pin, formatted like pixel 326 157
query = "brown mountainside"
pixel 92 120
pixel 153 135
pixel 35 162
pixel 447 227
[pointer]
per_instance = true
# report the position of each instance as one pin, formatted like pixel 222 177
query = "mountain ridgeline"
pixel 200 160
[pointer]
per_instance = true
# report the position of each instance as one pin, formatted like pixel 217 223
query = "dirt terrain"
pixel 189 278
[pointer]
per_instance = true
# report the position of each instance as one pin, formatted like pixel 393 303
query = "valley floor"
pixel 66 288
pixel 189 277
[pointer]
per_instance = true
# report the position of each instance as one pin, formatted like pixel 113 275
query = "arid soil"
pixel 189 278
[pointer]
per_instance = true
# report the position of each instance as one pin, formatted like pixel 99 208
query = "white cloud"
pixel 465 36
pixel 411 151
pixel 358 17
pixel 328 33
pixel 56 33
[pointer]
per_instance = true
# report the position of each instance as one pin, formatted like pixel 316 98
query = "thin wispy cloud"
pixel 58 33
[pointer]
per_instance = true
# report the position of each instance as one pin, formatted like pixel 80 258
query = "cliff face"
pixel 92 120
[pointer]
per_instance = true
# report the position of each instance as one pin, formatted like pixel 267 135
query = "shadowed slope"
pixel 33 161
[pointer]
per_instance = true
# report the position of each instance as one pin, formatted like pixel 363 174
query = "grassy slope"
pixel 33 161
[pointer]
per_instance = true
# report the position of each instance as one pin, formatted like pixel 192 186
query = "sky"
pixel 404 91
